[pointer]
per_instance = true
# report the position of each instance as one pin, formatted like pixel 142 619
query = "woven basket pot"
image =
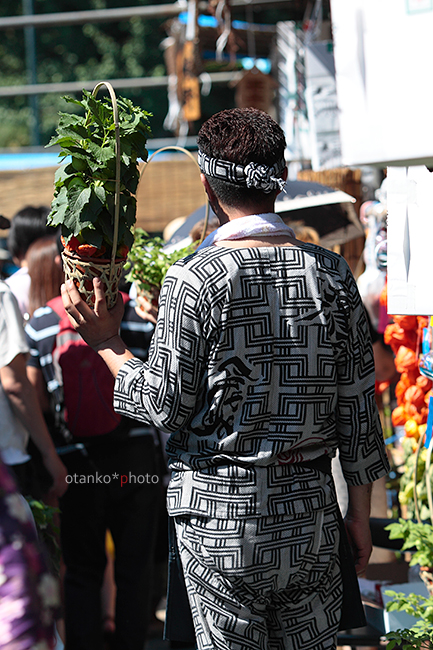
pixel 82 270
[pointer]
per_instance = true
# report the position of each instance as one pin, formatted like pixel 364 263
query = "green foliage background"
pixel 128 48
pixel 100 51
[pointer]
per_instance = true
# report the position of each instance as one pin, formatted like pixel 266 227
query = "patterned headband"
pixel 261 177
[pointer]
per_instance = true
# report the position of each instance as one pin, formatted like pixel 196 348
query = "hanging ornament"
pixel 190 85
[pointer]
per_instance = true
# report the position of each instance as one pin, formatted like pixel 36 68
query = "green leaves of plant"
pixel 84 189
pixel 147 261
pixel 416 536
pixel 422 631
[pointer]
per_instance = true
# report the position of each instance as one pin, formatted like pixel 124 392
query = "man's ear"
pixel 211 196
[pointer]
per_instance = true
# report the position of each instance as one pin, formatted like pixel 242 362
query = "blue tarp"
pixel 17 161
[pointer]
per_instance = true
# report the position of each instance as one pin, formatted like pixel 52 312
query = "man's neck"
pixel 227 213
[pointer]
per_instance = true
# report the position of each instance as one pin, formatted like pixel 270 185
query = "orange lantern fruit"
pixel 406 360
pixel 424 383
pixel 411 429
pixel 415 395
pixel 399 416
pixel 406 322
pixel 400 389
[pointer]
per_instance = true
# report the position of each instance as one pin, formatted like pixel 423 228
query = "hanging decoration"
pixel 255 90
pixel 187 68
pixel 182 61
pixel 226 40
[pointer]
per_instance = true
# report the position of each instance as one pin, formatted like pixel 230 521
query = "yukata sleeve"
pixel 361 444
pixel 164 390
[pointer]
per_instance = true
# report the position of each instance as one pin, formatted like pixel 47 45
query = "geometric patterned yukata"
pixel 261 361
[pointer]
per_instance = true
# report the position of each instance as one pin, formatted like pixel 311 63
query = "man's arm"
pixel 357 523
pixel 36 379
pixel 24 402
pixel 98 327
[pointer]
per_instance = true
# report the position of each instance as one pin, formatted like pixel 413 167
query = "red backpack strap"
pixel 56 305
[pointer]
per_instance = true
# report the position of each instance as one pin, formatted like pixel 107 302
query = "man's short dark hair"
pixel 241 136
pixel 27 225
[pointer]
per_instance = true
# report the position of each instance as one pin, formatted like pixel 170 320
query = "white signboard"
pixel 410 239
pixel 382 52
pixel 291 119
pixel 321 97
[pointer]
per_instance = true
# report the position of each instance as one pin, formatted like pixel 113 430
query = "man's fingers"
pixel 76 308
pixel 67 302
pixel 100 301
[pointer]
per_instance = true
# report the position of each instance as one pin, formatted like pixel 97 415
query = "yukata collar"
pixel 269 224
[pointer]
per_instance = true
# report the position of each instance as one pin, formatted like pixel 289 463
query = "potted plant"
pixel 94 200
pixel 418 538
pixel 420 635
pixel 149 262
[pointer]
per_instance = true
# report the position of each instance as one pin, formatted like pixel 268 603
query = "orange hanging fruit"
pixel 395 336
pixel 406 360
pixel 406 322
pixel 422 415
pixel 399 416
pixel 411 429
pixel 400 390
pixel 424 383
pixel 415 395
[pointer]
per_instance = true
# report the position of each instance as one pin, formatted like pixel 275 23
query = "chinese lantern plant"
pixel 87 186
pixel 412 392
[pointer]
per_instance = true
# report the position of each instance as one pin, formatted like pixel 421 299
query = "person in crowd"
pixel 5 256
pixel 114 483
pixel 44 266
pixel 303 232
pixel 260 367
pixel 20 413
pixel 27 225
pixel 29 593
pixel 196 232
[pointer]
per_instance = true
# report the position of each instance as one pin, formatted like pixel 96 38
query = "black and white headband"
pixel 260 177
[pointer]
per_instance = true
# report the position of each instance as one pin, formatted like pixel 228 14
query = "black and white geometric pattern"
pixel 263 584
pixel 261 177
pixel 261 359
